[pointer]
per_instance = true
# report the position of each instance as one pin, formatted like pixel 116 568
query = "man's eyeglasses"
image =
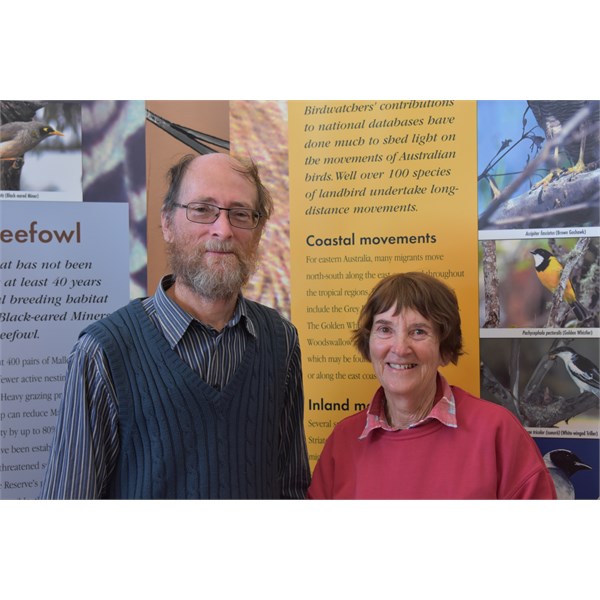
pixel 243 218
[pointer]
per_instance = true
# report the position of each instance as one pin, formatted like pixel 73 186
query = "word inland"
pixel 323 405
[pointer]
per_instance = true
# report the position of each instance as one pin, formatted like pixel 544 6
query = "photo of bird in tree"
pixel 541 283
pixel 40 148
pixel 544 382
pixel 538 164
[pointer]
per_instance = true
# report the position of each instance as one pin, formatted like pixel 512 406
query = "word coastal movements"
pixel 350 240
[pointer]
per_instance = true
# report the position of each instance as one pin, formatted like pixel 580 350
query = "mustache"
pixel 219 246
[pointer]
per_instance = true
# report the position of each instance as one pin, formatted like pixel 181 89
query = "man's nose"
pixel 222 227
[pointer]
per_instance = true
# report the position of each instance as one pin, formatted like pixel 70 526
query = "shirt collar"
pixel 175 321
pixel 444 410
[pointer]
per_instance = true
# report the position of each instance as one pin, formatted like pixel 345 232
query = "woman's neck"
pixel 402 413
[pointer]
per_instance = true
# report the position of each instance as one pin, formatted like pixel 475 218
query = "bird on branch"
pixel 582 147
pixel 581 370
pixel 19 137
pixel 549 270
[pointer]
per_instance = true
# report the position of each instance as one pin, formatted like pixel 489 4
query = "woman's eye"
pixel 420 333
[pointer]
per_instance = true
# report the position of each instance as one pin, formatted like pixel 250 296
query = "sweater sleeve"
pixel 320 486
pixel 539 486
pixel 521 469
pixel 86 440
pixel 323 483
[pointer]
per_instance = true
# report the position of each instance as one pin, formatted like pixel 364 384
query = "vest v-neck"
pixel 157 340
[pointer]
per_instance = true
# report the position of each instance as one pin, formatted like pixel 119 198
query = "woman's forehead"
pixel 403 313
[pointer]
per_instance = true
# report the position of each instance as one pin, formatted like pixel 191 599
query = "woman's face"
pixel 405 353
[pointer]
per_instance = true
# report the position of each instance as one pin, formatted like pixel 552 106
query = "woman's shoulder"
pixel 468 405
pixel 352 423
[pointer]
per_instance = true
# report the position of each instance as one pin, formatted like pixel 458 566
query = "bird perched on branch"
pixel 582 370
pixel 549 270
pixel 562 465
pixel 583 146
pixel 19 137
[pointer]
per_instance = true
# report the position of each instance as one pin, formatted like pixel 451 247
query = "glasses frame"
pixel 256 213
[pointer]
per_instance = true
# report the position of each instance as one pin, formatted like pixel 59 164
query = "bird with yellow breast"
pixel 549 271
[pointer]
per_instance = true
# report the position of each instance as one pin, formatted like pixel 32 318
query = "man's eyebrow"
pixel 211 200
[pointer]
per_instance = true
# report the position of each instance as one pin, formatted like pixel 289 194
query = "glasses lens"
pixel 202 213
pixel 244 218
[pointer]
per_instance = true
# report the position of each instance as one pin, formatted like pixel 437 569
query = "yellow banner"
pixel 376 187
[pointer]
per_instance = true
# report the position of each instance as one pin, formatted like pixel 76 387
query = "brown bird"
pixel 19 137
pixel 582 149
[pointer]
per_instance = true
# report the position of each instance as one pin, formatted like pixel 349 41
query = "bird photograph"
pixel 562 465
pixel 40 148
pixel 582 371
pixel 538 164
pixel 21 136
pixel 581 146
pixel 574 465
pixel 549 271
pixel 525 376
pixel 521 283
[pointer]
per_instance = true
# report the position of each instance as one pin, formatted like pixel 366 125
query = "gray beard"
pixel 216 281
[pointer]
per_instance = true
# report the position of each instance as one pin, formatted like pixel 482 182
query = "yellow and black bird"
pixel 549 270
pixel 19 137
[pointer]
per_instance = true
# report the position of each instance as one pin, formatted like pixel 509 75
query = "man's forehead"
pixel 217 173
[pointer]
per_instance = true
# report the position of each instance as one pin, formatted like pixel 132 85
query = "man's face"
pixel 214 260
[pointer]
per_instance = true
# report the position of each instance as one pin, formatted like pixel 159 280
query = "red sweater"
pixel 489 455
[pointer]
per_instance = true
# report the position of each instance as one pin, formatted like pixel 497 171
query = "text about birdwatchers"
pixel 388 157
pixel 366 166
pixel 378 185
pixel 56 276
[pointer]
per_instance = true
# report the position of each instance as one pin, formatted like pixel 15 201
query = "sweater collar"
pixel 444 410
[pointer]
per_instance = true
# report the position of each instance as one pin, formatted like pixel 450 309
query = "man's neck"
pixel 214 312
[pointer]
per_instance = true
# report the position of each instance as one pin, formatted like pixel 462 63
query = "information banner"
pixel 376 187
pixel 53 281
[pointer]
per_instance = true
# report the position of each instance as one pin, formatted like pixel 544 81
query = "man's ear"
pixel 166 223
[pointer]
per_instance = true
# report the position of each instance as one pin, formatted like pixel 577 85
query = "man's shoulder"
pixel 269 312
pixel 128 313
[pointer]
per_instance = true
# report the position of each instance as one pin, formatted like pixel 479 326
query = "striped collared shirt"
pixel 444 410
pixel 86 444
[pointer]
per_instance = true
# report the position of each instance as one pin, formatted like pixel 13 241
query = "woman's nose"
pixel 399 343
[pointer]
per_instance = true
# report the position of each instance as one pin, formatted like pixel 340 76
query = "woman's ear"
pixel 445 360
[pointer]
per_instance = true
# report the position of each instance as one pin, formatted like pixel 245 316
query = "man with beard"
pixel 195 392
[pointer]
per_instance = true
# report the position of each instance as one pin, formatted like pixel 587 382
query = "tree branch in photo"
pixel 490 285
pixel 485 218
pixel 558 304
pixel 500 393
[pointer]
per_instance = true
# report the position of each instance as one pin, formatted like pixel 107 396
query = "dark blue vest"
pixel 181 438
